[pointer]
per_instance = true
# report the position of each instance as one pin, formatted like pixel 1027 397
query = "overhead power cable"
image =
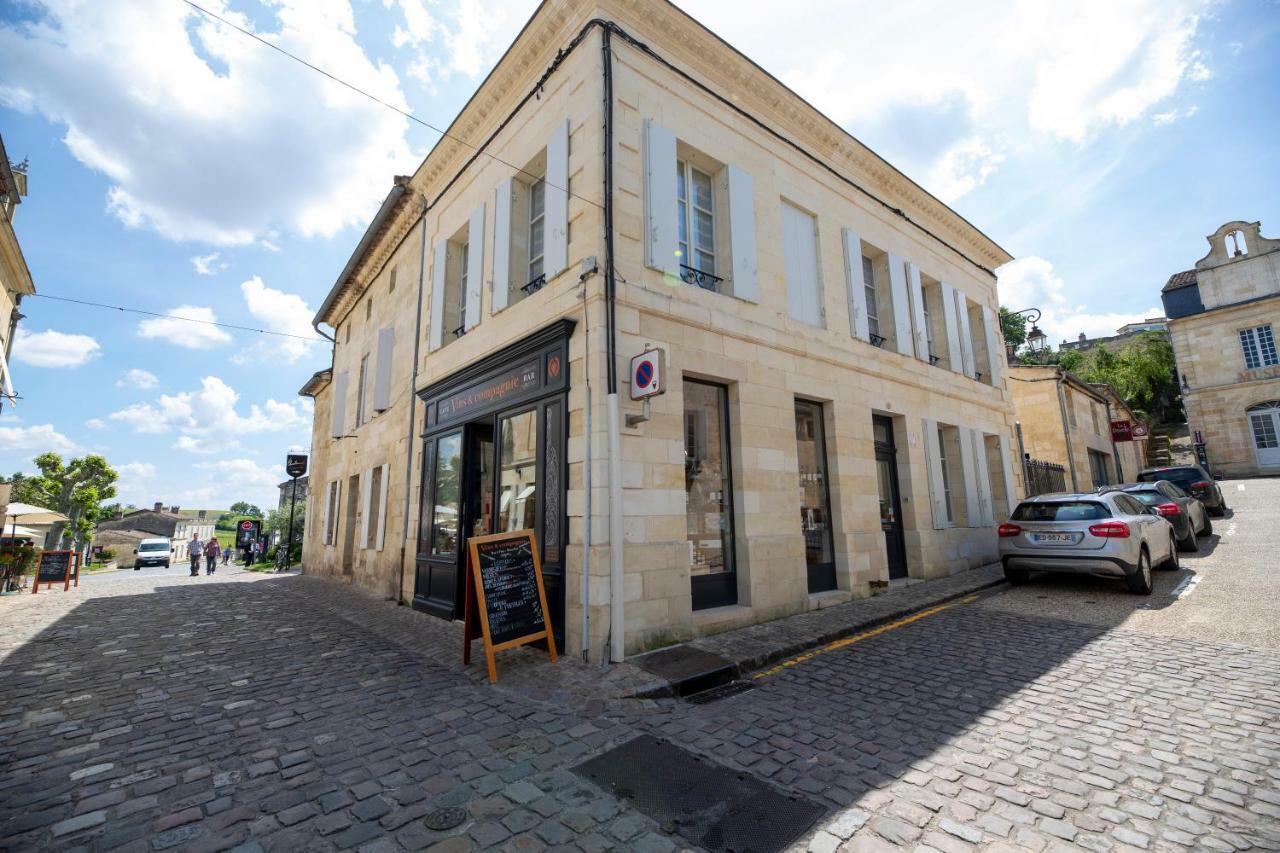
pixel 215 16
pixel 318 340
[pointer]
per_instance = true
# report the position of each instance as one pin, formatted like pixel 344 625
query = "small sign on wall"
pixel 648 374
pixel 1122 431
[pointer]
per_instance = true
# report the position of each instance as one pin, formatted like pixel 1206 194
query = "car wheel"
pixel 1016 577
pixel 1140 581
pixel 1172 564
pixel 1207 530
pixel 1189 544
pixel 1217 511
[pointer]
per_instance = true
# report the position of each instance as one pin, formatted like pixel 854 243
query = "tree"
pixel 278 522
pixel 1142 373
pixel 76 489
pixel 1013 327
pixel 246 508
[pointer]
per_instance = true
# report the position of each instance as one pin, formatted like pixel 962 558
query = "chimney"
pixel 174 509
pixel 159 507
pixel 200 514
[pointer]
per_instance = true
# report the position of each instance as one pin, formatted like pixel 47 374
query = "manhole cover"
pixel 446 818
pixel 708 805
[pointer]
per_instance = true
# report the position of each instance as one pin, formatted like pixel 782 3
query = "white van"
pixel 151 552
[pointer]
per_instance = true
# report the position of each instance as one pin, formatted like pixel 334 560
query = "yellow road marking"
pixel 857 638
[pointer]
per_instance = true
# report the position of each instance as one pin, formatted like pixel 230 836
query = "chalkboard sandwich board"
pixel 54 567
pixel 504 588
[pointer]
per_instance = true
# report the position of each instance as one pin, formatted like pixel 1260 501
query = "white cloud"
pixel 209 414
pixel 949 102
pixel 465 39
pixel 202 446
pixel 138 378
pixel 226 481
pixel 147 88
pixel 277 311
pixel 137 482
pixel 177 329
pixel 207 264
pixel 54 349
pixel 39 439
pixel 1031 282
pixel 96 423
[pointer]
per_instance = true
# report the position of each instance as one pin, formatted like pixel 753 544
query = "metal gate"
pixel 1044 477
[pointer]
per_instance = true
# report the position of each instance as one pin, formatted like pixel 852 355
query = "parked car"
pixel 1188 516
pixel 1191 479
pixel 151 552
pixel 1110 534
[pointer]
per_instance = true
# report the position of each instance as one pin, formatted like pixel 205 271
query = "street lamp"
pixel 1035 338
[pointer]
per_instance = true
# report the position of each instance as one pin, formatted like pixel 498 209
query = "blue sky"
pixel 177 166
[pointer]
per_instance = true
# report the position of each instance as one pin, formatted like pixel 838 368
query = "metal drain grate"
pixel 713 807
pixel 715 694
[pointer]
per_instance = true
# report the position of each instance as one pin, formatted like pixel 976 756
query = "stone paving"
pixel 261 713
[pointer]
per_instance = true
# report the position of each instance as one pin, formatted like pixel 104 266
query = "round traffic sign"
pixel 644 374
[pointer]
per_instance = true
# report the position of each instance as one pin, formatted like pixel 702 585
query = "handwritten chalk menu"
pixel 54 567
pixel 504 587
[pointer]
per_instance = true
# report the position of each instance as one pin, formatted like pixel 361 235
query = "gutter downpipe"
pixel 617 622
pixel 413 398
pixel 1066 430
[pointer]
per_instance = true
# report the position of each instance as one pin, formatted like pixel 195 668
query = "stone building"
pixel 1067 421
pixel 1126 333
pixel 836 411
pixel 288 494
pixel 15 277
pixel 159 521
pixel 1222 317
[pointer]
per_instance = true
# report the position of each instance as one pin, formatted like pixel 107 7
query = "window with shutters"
pixel 362 388
pixel 375 509
pixel 800 251
pixel 935 319
pixel 955 486
pixel 873 307
pixel 1259 346
pixel 695 203
pixel 978 343
pixel 331 521
pixel 527 260
pixel 456 275
pixel 946 474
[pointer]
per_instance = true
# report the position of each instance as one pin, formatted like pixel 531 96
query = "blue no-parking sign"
pixel 647 377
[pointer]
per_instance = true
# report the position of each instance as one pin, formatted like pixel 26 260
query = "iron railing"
pixel 705 280
pixel 1044 477
pixel 535 285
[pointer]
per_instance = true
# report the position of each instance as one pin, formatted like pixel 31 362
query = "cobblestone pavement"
pixel 161 712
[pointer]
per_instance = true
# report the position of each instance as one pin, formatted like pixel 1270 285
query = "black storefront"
pixel 495 460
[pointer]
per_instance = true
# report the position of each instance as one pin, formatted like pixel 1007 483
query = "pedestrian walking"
pixel 212 551
pixel 194 550
pixel 226 555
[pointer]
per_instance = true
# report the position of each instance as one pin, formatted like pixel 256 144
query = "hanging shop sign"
pixel 504 590
pixel 1122 431
pixel 648 374
pixel 1140 431
pixel 57 567
pixel 295 464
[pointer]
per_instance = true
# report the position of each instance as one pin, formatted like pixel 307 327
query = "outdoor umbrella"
pixel 30 515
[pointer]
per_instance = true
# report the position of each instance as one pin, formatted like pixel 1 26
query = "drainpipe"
pixel 413 399
pixel 1066 432
pixel 617 622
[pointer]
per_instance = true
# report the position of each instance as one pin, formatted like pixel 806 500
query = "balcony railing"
pixel 462 323
pixel 877 340
pixel 535 285
pixel 705 280
pixel 934 359
pixel 977 374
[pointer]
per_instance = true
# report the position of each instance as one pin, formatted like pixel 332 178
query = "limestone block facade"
pixel 837 411
pixel 1066 420
pixel 1224 322
pixel 15 277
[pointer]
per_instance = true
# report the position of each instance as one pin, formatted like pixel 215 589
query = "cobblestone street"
pixel 153 712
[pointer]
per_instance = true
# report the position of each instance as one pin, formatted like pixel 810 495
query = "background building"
pixel 287 493
pixel 1222 318
pixel 15 277
pixel 1123 336
pixel 1067 421
pixel 837 413
pixel 159 521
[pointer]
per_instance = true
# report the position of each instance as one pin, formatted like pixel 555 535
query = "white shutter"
pixel 994 345
pixel 338 419
pixel 660 198
pixel 916 292
pixel 966 335
pixel 328 507
pixel 475 267
pixel 742 234
pixel 381 532
pixel 1006 460
pixel 858 326
pixel 366 488
pixel 440 261
pixel 953 328
pixel 382 374
pixel 973 511
pixel 986 507
pixel 933 459
pixel 555 253
pixel 901 306
pixel 503 203
pixel 800 250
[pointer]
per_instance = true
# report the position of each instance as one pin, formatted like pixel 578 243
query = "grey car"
pixel 1188 516
pixel 1110 534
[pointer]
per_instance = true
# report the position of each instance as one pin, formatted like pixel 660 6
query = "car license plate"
pixel 1054 538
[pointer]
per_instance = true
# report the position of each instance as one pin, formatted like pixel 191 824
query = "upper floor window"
pixel 456 273
pixel 946 474
pixel 873 309
pixel 537 226
pixel 464 262
pixel 800 252
pixel 1259 345
pixel 362 389
pixel 695 203
pixel 928 325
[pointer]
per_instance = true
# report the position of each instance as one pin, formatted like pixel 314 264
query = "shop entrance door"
pixel 890 500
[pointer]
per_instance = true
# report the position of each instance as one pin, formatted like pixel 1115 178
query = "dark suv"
pixel 1191 479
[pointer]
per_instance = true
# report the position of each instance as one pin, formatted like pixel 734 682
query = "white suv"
pixel 1111 534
